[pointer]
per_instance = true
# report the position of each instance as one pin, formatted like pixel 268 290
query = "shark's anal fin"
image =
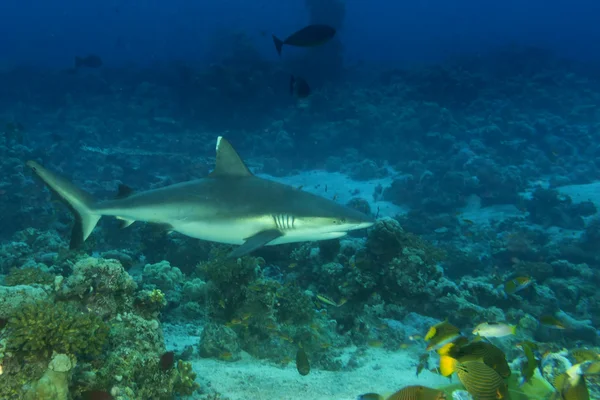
pixel 124 223
pixel 228 163
pixel 255 242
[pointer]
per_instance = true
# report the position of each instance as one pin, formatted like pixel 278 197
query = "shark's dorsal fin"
pixel 228 162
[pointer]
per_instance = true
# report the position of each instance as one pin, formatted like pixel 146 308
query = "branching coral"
pixel 41 328
pixel 28 276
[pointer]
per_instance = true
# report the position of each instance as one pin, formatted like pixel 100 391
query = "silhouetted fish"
pixel 167 361
pixel 90 61
pixel 299 87
pixel 310 36
pixel 302 364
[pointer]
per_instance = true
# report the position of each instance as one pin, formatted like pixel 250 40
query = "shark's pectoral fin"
pixel 255 242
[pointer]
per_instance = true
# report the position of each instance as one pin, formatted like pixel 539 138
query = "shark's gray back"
pixel 235 197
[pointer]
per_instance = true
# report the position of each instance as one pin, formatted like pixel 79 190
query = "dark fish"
pixel 3 322
pixel 96 395
pixel 423 362
pixel 552 322
pixel 299 87
pixel 310 36
pixel 302 364
pixel 167 361
pixel 481 381
pixel 90 61
pixel 370 396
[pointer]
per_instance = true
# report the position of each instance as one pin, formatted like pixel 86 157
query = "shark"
pixel 231 205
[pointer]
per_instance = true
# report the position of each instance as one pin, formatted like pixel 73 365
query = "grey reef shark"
pixel 231 205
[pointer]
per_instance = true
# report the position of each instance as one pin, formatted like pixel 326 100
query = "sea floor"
pixel 381 371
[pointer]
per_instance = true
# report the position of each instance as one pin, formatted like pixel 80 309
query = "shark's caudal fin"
pixel 78 201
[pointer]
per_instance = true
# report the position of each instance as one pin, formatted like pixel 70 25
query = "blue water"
pixel 468 131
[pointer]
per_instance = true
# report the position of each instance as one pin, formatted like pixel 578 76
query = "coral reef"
pixel 41 328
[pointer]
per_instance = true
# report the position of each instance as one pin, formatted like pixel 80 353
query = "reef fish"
pixel 416 392
pixel 580 355
pixel 571 385
pixel 517 284
pixel 302 363
pixel 309 36
pixel 494 329
pixel 231 206
pixel 441 334
pixel 552 322
pixel 167 360
pixel 481 381
pixel 491 355
pixel 530 364
pixel 299 87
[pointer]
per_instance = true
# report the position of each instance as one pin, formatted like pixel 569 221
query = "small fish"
pixel 90 61
pixel 571 385
pixel 583 355
pixel 222 303
pixel 423 362
pixel 302 363
pixel 370 396
pixel 481 381
pixel 493 329
pixel 246 316
pixel 375 343
pixel 552 322
pixel 327 300
pixel 342 301
pixel 441 334
pixel 167 360
pixel 530 364
pixel 292 265
pixel 309 36
pixel 468 221
pixel 3 322
pixel 412 338
pixel 299 87
pixel 517 284
pixel 225 356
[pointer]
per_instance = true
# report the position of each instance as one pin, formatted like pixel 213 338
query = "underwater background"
pixel 469 130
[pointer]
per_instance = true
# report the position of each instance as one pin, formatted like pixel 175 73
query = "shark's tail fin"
pixel 278 44
pixel 78 201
